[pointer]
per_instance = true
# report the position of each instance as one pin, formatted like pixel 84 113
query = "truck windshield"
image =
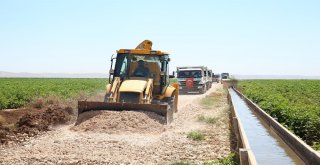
pixel 127 61
pixel 224 75
pixel 189 74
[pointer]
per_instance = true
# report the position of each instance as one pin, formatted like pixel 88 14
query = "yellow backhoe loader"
pixel 139 80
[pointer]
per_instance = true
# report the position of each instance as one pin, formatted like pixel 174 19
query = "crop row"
pixel 294 103
pixel 17 92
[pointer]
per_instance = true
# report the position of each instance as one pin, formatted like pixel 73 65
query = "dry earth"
pixel 131 138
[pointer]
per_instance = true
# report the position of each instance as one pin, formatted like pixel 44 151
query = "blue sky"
pixel 269 37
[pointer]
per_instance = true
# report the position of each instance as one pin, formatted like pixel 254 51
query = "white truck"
pixel 224 77
pixel 193 79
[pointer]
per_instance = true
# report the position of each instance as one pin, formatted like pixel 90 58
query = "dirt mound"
pixel 12 116
pixel 33 123
pixel 30 124
pixel 120 122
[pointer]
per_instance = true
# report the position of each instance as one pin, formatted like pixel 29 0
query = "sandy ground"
pixel 67 145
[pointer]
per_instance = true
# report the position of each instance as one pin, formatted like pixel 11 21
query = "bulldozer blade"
pixel 161 109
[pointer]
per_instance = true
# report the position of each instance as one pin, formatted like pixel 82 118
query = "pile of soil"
pixel 33 122
pixel 120 122
pixel 12 116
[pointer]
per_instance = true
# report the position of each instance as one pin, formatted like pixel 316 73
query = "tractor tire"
pixel 169 115
pixel 174 104
pixel 171 101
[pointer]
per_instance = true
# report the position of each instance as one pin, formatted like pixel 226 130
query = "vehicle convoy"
pixel 193 79
pixel 139 81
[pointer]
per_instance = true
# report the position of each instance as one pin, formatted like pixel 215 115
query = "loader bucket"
pixel 161 109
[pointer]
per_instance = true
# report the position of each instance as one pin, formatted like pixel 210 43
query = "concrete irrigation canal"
pixel 262 139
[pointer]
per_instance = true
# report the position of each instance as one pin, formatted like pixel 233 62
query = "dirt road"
pixel 67 145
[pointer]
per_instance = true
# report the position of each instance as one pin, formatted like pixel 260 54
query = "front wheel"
pixel 169 115
pixel 203 90
pixel 172 102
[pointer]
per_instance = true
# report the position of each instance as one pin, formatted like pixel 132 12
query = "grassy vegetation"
pixel 295 103
pixel 213 99
pixel 181 163
pixel 17 92
pixel 207 102
pixel 316 146
pixel 206 119
pixel 231 159
pixel 196 135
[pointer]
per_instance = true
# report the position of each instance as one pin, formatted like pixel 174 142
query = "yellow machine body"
pixel 153 93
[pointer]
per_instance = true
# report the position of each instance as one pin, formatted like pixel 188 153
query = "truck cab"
pixel 224 77
pixel 193 79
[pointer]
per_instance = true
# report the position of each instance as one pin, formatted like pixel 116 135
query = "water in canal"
pixel 268 148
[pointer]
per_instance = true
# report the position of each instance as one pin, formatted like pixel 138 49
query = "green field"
pixel 295 103
pixel 17 92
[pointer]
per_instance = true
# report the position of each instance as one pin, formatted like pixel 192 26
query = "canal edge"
pixel 303 150
pixel 246 155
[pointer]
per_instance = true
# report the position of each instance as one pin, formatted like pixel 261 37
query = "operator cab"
pixel 143 67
